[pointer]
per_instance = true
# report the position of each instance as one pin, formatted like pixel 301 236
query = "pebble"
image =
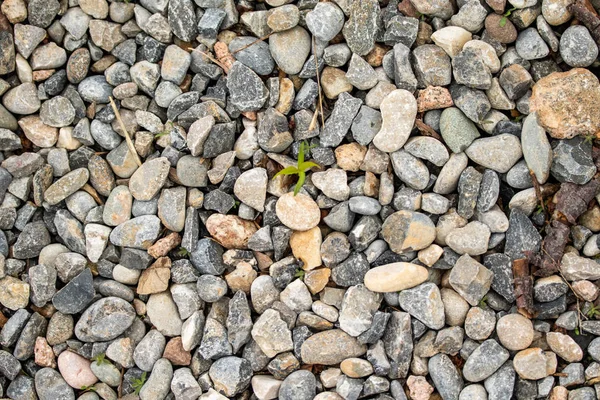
pixel 408 231
pixel 470 279
pixel 290 48
pixel 75 370
pixel 330 348
pixel 532 363
pixel 325 21
pixel 498 153
pixel 398 111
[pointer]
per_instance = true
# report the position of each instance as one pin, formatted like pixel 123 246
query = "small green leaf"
pixel 301 178
pixel 301 151
pixel 299 274
pixel 306 165
pixel 137 384
pixel 100 359
pixel 502 22
pixel 291 170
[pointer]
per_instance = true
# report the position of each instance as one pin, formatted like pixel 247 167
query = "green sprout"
pixel 182 252
pixel 100 359
pixel 593 311
pixel 589 138
pixel 483 302
pixel 90 388
pixel 300 169
pixel 299 274
pixel 505 16
pixel 138 383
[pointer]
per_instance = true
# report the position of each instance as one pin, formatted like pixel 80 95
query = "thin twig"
pixel 127 137
pixel 211 58
pixel 538 192
pixel 318 81
pixel 253 43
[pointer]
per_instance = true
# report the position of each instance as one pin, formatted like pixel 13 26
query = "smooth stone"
pixel 398 111
pixel 330 348
pixel 498 153
pixel 408 231
pixel 290 49
pixel 75 370
pixel 395 277
pixel 299 212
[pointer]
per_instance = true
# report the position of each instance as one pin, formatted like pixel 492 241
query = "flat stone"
pixel 148 179
pixel 470 279
pixel 498 153
pixel 424 302
pixel 330 348
pixel 104 320
pixel 66 186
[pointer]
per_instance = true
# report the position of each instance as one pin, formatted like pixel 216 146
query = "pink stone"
pixel 75 370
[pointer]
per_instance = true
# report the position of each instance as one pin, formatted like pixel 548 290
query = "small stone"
pixel 470 279
pixel 298 212
pixel 408 231
pixel 564 346
pixel 231 375
pixel 398 111
pixel 498 153
pixel 361 28
pixel 75 370
pixel 424 302
pixel 290 48
pixel 451 38
pixel 484 361
pixel 445 376
pixel 248 93
pixel 330 348
pixel 471 239
pixel 532 363
pixel 271 334
pixel 148 179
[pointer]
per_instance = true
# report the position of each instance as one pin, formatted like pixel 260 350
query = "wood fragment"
pixel 127 137
pixel 589 18
pixel 426 130
pixel 523 283
pixel 92 192
pixel 211 58
pixel 538 192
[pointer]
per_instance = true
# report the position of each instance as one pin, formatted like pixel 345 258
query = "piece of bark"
pixel 572 200
pixel 523 283
pixel 589 18
pixel 553 248
pixel 426 130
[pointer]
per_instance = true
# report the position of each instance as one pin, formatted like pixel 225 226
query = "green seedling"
pixel 505 16
pixel 299 274
pixel 300 169
pixel 137 384
pixel 90 388
pixel 100 359
pixel 593 311
pixel 182 252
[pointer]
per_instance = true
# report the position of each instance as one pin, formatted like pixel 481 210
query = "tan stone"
pixel 230 231
pixel 163 246
pixel 562 117
pixel 299 212
pixel 395 277
pixel 591 219
pixel 430 255
pixel 175 353
pixel 14 293
pixel 586 290
pixel 350 156
pixel 155 279
pixel 375 56
pixel 317 279
pixel 241 278
pixel 14 10
pixel 44 356
pixel 559 393
pixel 334 82
pixel 419 388
pixel 37 132
pixel 433 97
pixel 371 187
pixel 515 331
pixel 306 246
pixel 564 346
pixel 531 364
pixel 330 348
pixel 286 96
pixel 356 367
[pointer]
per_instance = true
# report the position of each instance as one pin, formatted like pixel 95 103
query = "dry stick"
pixel 211 58
pixel 318 81
pixel 538 192
pixel 127 138
pixel 253 43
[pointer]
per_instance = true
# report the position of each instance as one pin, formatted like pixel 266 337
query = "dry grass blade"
pixel 211 58
pixel 127 137
pixel 253 43
pixel 318 82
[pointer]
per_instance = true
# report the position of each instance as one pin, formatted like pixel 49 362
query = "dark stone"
pixel 208 257
pixel 521 236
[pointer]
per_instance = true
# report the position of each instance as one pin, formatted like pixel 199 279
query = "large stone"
pixel 536 148
pixel 552 99
pixel 104 320
pixel 470 279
